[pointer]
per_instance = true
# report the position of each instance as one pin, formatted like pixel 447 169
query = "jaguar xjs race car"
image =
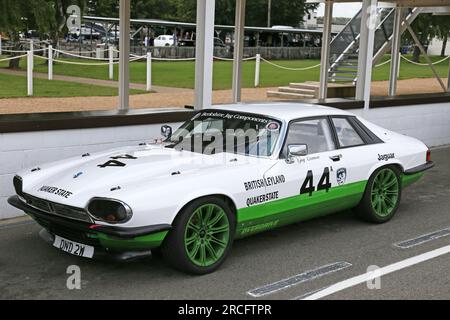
pixel 229 172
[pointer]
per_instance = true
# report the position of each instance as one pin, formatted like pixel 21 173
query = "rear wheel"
pixel 382 196
pixel 201 238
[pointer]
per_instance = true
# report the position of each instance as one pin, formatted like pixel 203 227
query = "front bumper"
pixel 109 241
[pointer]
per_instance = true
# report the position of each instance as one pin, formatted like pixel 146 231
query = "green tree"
pixel 103 8
pixel 57 10
pixel 10 16
pixel 47 16
pixel 12 22
pixel 442 27
pixel 425 29
pixel 284 12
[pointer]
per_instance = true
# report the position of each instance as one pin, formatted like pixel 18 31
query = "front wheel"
pixel 382 196
pixel 201 237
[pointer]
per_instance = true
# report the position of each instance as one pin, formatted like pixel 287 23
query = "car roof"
pixel 283 110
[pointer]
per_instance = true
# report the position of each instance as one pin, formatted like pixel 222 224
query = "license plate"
pixel 73 247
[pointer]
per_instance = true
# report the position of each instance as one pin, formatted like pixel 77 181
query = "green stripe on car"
pixel 277 213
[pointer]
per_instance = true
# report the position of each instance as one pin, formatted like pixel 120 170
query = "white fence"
pixel 54 55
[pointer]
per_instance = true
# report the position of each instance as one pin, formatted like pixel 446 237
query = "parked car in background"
pixel 164 41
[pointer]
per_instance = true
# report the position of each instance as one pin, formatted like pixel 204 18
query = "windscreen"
pixel 212 132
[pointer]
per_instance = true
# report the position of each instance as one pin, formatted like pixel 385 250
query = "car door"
pixel 358 150
pixel 308 180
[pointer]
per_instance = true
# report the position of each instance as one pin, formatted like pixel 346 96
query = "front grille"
pixel 68 233
pixel 57 209
pixel 40 204
pixel 70 212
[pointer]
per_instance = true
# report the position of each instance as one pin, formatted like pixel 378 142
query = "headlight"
pixel 18 185
pixel 109 210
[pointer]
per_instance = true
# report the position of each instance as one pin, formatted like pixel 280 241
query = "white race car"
pixel 229 172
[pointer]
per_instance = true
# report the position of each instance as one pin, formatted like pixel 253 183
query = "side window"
pixel 316 134
pixel 347 135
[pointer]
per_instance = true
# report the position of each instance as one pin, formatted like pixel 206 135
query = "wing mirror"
pixel 296 150
pixel 166 131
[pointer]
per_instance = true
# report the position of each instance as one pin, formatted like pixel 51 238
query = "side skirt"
pixel 282 212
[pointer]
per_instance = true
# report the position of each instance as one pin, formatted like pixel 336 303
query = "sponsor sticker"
pixel 260 227
pixel 273 126
pixel 341 176
pixel 264 182
pixel 57 191
pixel 386 157
pixel 262 198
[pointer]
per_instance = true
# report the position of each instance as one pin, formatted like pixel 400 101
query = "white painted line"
pixel 380 272
pixel 303 296
pixel 297 279
pixel 423 239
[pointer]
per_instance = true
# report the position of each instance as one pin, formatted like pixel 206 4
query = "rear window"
pixel 347 135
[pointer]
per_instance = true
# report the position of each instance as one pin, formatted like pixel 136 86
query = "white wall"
pixel 23 150
pixel 428 122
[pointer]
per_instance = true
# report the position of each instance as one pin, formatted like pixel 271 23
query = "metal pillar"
pixel 395 51
pixel 204 53
pixel 448 78
pixel 325 54
pixel 124 62
pixel 366 45
pixel 269 14
pixel 238 50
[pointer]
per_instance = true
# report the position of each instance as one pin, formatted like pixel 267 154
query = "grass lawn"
pixel 181 74
pixel 16 86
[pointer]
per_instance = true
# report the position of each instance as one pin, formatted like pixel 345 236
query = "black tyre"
pixel 382 196
pixel 201 237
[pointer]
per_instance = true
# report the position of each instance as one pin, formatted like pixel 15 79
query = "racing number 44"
pixel 308 184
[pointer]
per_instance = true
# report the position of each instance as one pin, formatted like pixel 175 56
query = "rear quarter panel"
pixel 407 152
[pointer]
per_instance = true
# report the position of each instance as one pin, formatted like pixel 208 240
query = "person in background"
pixel 175 37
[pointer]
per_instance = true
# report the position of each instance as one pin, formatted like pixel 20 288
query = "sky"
pixel 341 9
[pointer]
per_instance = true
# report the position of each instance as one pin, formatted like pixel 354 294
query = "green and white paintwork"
pixel 156 195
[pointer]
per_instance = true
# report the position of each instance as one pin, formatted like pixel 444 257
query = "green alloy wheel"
pixel 385 191
pixel 207 235
pixel 201 237
pixel 382 196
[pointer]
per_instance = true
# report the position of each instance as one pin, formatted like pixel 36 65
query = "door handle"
pixel 336 158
